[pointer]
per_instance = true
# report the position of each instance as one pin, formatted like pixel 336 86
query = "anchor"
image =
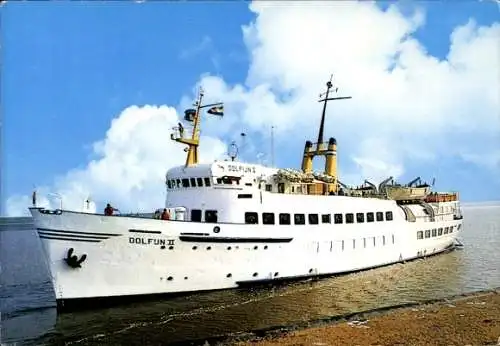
pixel 73 261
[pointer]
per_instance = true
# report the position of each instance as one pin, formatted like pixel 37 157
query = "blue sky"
pixel 69 68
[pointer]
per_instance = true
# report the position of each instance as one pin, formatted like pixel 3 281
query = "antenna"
pixel 329 85
pixel 233 151
pixel 272 146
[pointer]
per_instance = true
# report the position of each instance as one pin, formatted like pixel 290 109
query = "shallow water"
pixel 29 316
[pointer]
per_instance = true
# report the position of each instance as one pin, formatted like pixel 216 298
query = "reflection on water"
pixel 220 313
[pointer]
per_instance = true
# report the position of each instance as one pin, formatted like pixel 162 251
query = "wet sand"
pixel 464 320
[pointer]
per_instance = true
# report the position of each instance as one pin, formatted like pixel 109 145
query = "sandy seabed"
pixel 465 320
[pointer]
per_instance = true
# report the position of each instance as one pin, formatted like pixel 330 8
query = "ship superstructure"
pixel 235 223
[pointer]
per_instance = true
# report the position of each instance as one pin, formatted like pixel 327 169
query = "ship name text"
pixel 150 241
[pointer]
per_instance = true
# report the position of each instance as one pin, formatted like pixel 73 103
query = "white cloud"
pixel 131 165
pixel 407 105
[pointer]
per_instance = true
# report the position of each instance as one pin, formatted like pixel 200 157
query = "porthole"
pixel 216 229
pixel 310 271
pixel 170 247
pixel 276 274
pixel 255 247
pixel 209 248
pixel 170 278
pixel 195 247
pixel 265 247
pixel 162 247
pixel 255 274
pixel 229 248
pixel 185 277
pixel 229 275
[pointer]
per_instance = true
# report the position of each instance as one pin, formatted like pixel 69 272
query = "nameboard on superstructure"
pixel 236 168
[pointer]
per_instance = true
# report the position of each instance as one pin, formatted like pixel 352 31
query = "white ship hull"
pixel 240 223
pixel 141 256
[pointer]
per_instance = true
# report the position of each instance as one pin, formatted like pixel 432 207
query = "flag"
pixel 216 110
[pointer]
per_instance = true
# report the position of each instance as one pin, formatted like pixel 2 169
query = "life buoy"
pixel 216 229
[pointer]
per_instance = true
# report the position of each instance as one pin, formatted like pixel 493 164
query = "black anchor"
pixel 73 261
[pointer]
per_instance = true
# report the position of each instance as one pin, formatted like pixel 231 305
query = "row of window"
pixel 434 232
pixel 188 182
pixel 313 219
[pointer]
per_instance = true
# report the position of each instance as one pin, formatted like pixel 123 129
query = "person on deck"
pixel 165 215
pixel 108 211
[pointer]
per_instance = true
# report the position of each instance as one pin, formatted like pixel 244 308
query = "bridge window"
pixel 285 219
pixel 434 232
pixel 178 183
pixel 420 235
pixel 364 242
pixel 251 218
pixel 383 239
pixel 428 233
pixel 196 215
pixel 299 219
pixel 268 218
pixel 169 184
pixel 337 218
pixel 445 231
pixel 193 182
pixel 313 219
pixel 269 187
pixel 380 216
pixel 326 218
pixel 440 231
pixel 360 217
pixel 207 181
pixel 199 181
pixel 370 217
pixel 388 215
pixel 349 218
pixel 211 216
pixel 185 182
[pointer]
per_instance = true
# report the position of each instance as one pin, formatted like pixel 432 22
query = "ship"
pixel 235 223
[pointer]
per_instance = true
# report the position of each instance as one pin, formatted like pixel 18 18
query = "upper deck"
pixel 217 174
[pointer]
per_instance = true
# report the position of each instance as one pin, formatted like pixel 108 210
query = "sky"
pixel 90 91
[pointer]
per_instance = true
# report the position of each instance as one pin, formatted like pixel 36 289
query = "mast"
pixel 194 117
pixel 327 149
pixel 329 85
